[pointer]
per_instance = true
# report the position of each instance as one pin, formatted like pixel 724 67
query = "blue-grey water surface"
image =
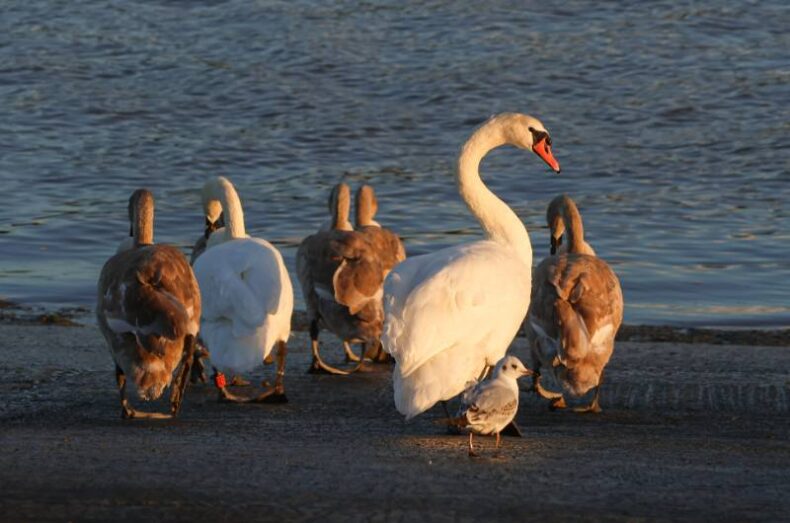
pixel 670 120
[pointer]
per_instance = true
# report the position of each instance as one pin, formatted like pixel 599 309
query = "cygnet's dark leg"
pixel 179 384
pixel 127 411
pixel 318 365
pixel 350 356
pixel 540 391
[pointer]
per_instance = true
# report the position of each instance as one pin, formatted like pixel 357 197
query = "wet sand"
pixel 689 431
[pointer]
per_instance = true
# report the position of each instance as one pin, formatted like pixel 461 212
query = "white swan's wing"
pixel 451 298
pixel 240 281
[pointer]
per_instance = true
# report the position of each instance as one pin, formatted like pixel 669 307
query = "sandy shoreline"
pixel 688 432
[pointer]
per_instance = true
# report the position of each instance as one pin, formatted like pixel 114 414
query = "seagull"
pixel 489 406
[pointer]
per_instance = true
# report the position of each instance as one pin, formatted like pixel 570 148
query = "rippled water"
pixel 670 120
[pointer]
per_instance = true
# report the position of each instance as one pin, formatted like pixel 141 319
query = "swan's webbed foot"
pixel 374 351
pixel 594 407
pixel 558 403
pixel 127 411
pixel 223 394
pixel 319 366
pixel 542 392
pixel 238 381
pixel 270 395
pixel 350 356
pixel 275 394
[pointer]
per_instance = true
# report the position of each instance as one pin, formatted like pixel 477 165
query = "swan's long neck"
pixel 143 219
pixel 340 222
pixel 496 218
pixel 341 208
pixel 574 229
pixel 366 206
pixel 221 189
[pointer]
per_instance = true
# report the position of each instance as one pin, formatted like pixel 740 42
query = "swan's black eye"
pixel 537 136
pixel 513 365
pixel 504 367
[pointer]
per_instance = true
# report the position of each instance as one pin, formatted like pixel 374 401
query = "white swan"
pixel 247 297
pixel 148 307
pixel 452 313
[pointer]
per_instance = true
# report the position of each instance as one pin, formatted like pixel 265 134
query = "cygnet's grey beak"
pixel 527 372
pixel 555 244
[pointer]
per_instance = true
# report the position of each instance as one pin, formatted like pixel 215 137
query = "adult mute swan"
pixel 247 296
pixel 451 314
pixel 341 277
pixel 576 310
pixel 556 221
pixel 148 309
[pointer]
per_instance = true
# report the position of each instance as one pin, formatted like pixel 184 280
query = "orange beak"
pixel 543 150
